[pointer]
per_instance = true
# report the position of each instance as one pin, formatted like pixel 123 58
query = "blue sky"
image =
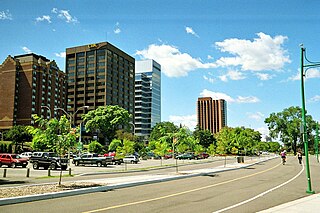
pixel 244 51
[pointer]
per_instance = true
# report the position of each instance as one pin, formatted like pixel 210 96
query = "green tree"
pixel 115 143
pixel 163 129
pixel 286 125
pixel 53 135
pixel 205 137
pixel 161 148
pixel 95 147
pixel 274 147
pixel 18 135
pixel 107 119
pixel 126 148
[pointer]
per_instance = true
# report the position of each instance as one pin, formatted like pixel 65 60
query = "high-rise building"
pixel 98 75
pixel 211 114
pixel 30 84
pixel 147 96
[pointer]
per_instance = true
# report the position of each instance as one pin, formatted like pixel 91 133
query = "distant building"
pixel 211 114
pixel 98 75
pixel 29 82
pixel 147 96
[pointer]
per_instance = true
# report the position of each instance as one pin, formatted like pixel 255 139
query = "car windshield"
pixel 15 156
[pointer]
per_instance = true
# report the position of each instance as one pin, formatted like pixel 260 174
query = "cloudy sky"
pixel 246 52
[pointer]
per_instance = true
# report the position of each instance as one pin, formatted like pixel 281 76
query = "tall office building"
pixel 211 114
pixel 29 82
pixel 147 96
pixel 98 75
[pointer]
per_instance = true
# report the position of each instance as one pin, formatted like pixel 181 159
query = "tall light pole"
pixel 304 123
pixel 48 108
pixel 316 142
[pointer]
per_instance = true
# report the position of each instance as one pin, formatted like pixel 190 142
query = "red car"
pixel 203 155
pixel 13 160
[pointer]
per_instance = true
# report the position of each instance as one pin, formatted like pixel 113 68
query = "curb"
pixel 29 198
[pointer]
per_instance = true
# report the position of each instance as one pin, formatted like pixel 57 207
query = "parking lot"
pixel 21 173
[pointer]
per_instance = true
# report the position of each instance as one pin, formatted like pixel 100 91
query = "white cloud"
pixel 248 99
pixel 263 53
pixel 264 132
pixel 5 15
pixel 54 10
pixel 44 18
pixel 117 29
pixel 209 57
pixel 26 49
pixel 61 55
pixel 189 121
pixel 310 73
pixel 189 30
pixel 65 15
pixel 211 80
pixel 229 99
pixel 217 95
pixel 264 76
pixel 173 62
pixel 256 116
pixel 233 75
pixel 315 98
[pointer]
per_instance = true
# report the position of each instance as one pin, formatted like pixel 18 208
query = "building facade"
pixel 98 75
pixel 211 114
pixel 30 84
pixel 147 96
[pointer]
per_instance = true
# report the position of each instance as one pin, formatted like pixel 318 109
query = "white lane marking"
pixel 260 195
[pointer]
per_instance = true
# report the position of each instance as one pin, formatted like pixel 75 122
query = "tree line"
pixel 113 127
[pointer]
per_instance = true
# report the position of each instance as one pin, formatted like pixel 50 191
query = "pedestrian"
pixel 283 156
pixel 299 154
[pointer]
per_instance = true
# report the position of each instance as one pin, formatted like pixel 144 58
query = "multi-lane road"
pixel 252 189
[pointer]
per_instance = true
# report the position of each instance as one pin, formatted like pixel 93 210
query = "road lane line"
pixel 261 194
pixel 180 193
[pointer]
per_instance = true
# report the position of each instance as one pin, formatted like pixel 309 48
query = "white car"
pixel 26 155
pixel 131 159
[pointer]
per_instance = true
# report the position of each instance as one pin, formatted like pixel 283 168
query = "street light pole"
pixel 317 141
pixel 304 123
pixel 48 108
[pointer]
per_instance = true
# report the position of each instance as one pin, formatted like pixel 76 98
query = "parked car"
pixel 26 155
pixel 92 159
pixel 188 156
pixel 13 160
pixel 48 160
pixel 115 160
pixel 203 155
pixel 131 159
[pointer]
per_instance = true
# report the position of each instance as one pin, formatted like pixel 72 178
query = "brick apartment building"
pixel 211 114
pixel 29 82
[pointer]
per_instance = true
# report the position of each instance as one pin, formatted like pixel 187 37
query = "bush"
pixel 9 148
pixel 95 147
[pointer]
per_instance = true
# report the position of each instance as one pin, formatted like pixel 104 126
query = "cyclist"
pixel 283 156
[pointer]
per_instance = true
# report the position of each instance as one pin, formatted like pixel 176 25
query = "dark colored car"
pixel 13 160
pixel 48 160
pixel 188 156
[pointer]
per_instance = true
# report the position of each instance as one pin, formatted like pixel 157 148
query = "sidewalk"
pixel 307 204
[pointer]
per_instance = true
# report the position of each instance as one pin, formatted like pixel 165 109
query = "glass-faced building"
pixel 98 75
pixel 147 96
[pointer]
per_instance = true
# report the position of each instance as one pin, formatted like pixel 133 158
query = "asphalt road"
pixel 270 182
